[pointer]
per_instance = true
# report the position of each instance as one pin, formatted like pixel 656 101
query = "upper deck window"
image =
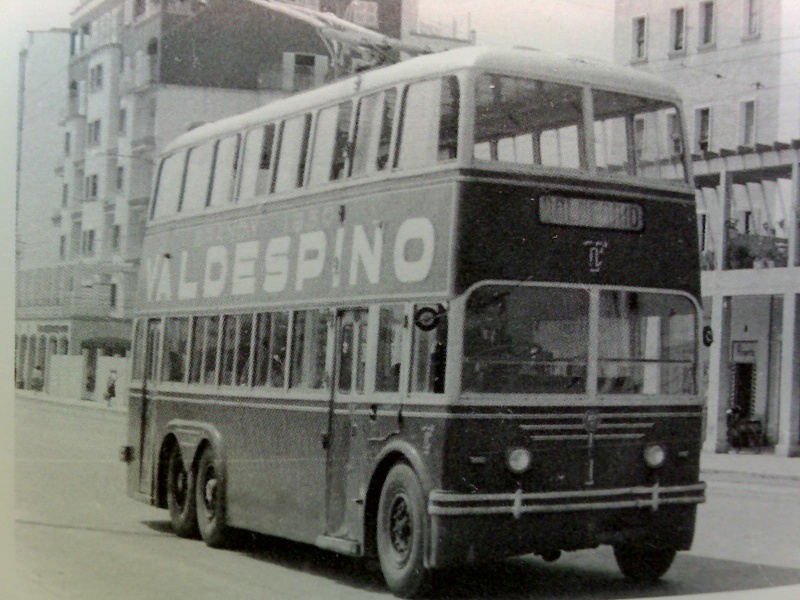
pixel 170 180
pixel 331 146
pixel 196 186
pixel 528 122
pixel 373 132
pixel 429 123
pixel 226 158
pixel 257 163
pixel 293 146
pixel 637 137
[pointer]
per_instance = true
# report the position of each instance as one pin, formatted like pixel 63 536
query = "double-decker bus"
pixel 437 313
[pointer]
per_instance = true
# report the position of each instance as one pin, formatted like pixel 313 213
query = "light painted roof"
pixel 530 63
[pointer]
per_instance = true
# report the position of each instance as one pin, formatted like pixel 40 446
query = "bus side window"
pixel 269 349
pixel 448 118
pixel 138 350
pixel 226 157
pixel 309 349
pixel 203 360
pixel 198 179
pixel 429 123
pixel 257 163
pixel 168 188
pixel 292 152
pixel 429 356
pixel 390 348
pixel 176 338
pixel 341 149
pixel 324 139
pixel 387 122
pixel 367 123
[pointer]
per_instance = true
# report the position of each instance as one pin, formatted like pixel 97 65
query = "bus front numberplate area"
pixel 451 504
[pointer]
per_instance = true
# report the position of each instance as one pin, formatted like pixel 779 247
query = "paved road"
pixel 80 537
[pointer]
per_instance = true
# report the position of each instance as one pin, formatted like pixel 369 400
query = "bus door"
pixel 149 384
pixel 347 447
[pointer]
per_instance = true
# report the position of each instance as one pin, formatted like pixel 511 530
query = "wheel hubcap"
pixel 400 527
pixel 210 490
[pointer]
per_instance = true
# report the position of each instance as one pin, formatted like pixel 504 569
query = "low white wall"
pixel 65 376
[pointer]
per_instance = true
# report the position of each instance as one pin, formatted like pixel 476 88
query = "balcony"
pixel 746 251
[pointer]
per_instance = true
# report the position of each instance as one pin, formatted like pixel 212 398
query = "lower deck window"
pixel 428 350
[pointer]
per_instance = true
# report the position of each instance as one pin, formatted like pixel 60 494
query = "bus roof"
pixel 522 62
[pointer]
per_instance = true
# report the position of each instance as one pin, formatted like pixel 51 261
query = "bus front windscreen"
pixel 537 339
pixel 521 339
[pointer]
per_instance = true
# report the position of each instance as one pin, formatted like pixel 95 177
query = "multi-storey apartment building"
pixel 98 102
pixel 737 63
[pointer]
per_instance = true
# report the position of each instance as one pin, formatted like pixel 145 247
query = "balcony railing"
pixel 747 251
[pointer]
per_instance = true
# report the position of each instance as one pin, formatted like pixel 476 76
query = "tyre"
pixel 401 532
pixel 643 564
pixel 210 500
pixel 180 495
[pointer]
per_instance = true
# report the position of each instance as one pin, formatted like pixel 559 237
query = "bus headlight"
pixel 519 460
pixel 654 455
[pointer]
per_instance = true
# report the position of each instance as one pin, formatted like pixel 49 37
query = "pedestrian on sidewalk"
pixel 37 379
pixel 111 386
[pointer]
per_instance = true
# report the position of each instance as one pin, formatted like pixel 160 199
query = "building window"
pixel 67 143
pixel 748 222
pixel 748 123
pixel 706 23
pixel 73 43
pixel 65 195
pixel 678 30
pixel 87 242
pixel 122 126
pixel 639 38
pixel 112 295
pixel 675 141
pixel 703 230
pixel 93 133
pixel 139 7
pixel 96 78
pixel 116 237
pixel 62 247
pixel 91 187
pixel 703 129
pixel 120 178
pixel 86 34
pixel 751 14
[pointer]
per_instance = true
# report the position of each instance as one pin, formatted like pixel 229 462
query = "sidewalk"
pixel 764 466
pixel 749 465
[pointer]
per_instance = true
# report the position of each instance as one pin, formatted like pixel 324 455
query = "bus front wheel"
pixel 180 495
pixel 210 500
pixel 642 564
pixel 401 533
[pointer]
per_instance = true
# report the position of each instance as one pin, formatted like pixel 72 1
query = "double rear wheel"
pixel 180 495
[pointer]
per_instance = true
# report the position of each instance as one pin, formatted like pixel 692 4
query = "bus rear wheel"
pixel 210 500
pixel 400 532
pixel 643 564
pixel 180 495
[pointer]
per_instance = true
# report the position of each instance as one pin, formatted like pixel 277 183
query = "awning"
pixel 111 344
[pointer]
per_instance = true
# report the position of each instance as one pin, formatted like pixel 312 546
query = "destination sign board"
pixel 586 212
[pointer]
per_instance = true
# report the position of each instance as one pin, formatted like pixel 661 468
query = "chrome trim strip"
pixel 441 502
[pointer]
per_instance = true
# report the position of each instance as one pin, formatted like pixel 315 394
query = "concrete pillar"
pixel 719 375
pixel 789 419
pixel 724 216
pixel 793 219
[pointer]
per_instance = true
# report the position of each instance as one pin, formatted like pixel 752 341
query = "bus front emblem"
pixel 596 250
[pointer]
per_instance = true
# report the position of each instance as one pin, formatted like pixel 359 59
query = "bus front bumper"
pixel 474 527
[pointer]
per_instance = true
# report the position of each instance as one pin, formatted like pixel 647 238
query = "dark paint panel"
pixel 500 237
